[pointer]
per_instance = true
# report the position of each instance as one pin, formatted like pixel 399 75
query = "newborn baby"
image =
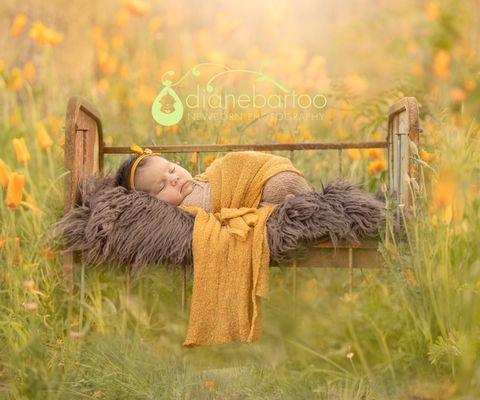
pixel 170 182
pixel 158 177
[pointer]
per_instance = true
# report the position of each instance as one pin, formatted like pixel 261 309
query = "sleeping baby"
pixel 170 182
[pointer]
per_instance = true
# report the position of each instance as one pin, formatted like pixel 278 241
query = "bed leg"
pixel 295 266
pixel 350 270
pixel 184 293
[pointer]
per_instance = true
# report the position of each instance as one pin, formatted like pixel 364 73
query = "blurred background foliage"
pixel 409 331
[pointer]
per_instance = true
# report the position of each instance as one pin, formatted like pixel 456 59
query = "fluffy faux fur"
pixel 112 224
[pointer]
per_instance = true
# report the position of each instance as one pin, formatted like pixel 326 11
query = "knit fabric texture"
pixel 231 255
pixel 275 191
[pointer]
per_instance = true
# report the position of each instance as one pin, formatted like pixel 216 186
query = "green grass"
pixel 408 331
pixel 119 336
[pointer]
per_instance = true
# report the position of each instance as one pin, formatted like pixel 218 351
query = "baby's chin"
pixel 188 188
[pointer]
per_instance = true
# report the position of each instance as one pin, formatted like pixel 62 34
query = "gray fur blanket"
pixel 114 225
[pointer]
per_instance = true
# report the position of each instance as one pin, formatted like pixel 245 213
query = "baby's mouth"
pixel 185 183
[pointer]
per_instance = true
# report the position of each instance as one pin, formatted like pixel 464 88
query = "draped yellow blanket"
pixel 231 256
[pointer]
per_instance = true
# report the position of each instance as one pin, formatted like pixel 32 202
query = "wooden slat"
pixel 258 147
pixel 327 257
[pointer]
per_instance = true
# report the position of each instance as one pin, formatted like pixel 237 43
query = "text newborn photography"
pixel 240 200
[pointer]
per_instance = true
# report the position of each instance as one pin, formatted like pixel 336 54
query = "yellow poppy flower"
pixel 15 118
pixel 38 32
pixel 4 174
pixel 43 35
pixel 136 7
pixel 457 95
pixel 154 25
pixel 425 155
pixel 372 154
pixel 54 38
pixel 117 42
pixel 433 10
pixel 15 190
pixel 444 189
pixel 103 86
pixel 124 71
pixel 18 24
pixel 121 18
pixel 194 158
pixel 43 138
pixel 284 138
pixel 469 84
pixel 208 160
pixel 441 64
pixel 29 71
pixel 21 150
pixel 172 129
pixel 354 154
pixel 376 166
pixel 108 63
pixel 158 131
pixel 15 80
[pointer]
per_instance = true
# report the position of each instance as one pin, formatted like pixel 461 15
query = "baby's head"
pixel 158 177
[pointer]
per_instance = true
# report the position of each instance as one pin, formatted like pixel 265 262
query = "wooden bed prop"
pixel 85 151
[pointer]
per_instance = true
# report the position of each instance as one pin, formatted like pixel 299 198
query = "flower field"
pixel 407 331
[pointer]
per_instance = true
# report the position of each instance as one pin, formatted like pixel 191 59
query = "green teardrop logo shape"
pixel 167 108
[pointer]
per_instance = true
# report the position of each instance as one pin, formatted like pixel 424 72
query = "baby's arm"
pixel 283 185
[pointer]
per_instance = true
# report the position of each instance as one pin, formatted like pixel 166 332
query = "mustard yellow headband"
pixel 143 153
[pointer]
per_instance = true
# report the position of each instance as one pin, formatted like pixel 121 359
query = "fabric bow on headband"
pixel 143 153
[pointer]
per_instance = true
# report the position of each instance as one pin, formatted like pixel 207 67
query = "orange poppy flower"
pixel 4 174
pixel 15 80
pixel 43 138
pixel 21 150
pixel 15 190
pixel 43 35
pixel 354 154
pixel 18 24
pixel 376 166
pixel 136 7
pixel 194 158
pixel 29 72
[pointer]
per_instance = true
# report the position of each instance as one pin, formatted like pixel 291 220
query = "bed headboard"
pixel 83 146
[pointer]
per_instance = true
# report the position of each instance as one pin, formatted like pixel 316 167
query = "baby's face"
pixel 164 180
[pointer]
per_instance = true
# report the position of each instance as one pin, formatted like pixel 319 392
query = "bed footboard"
pixel 403 140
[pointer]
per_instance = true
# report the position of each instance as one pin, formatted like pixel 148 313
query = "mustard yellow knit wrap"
pixel 230 250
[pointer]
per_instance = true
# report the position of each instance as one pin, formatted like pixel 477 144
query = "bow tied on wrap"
pixel 239 221
pixel 230 249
